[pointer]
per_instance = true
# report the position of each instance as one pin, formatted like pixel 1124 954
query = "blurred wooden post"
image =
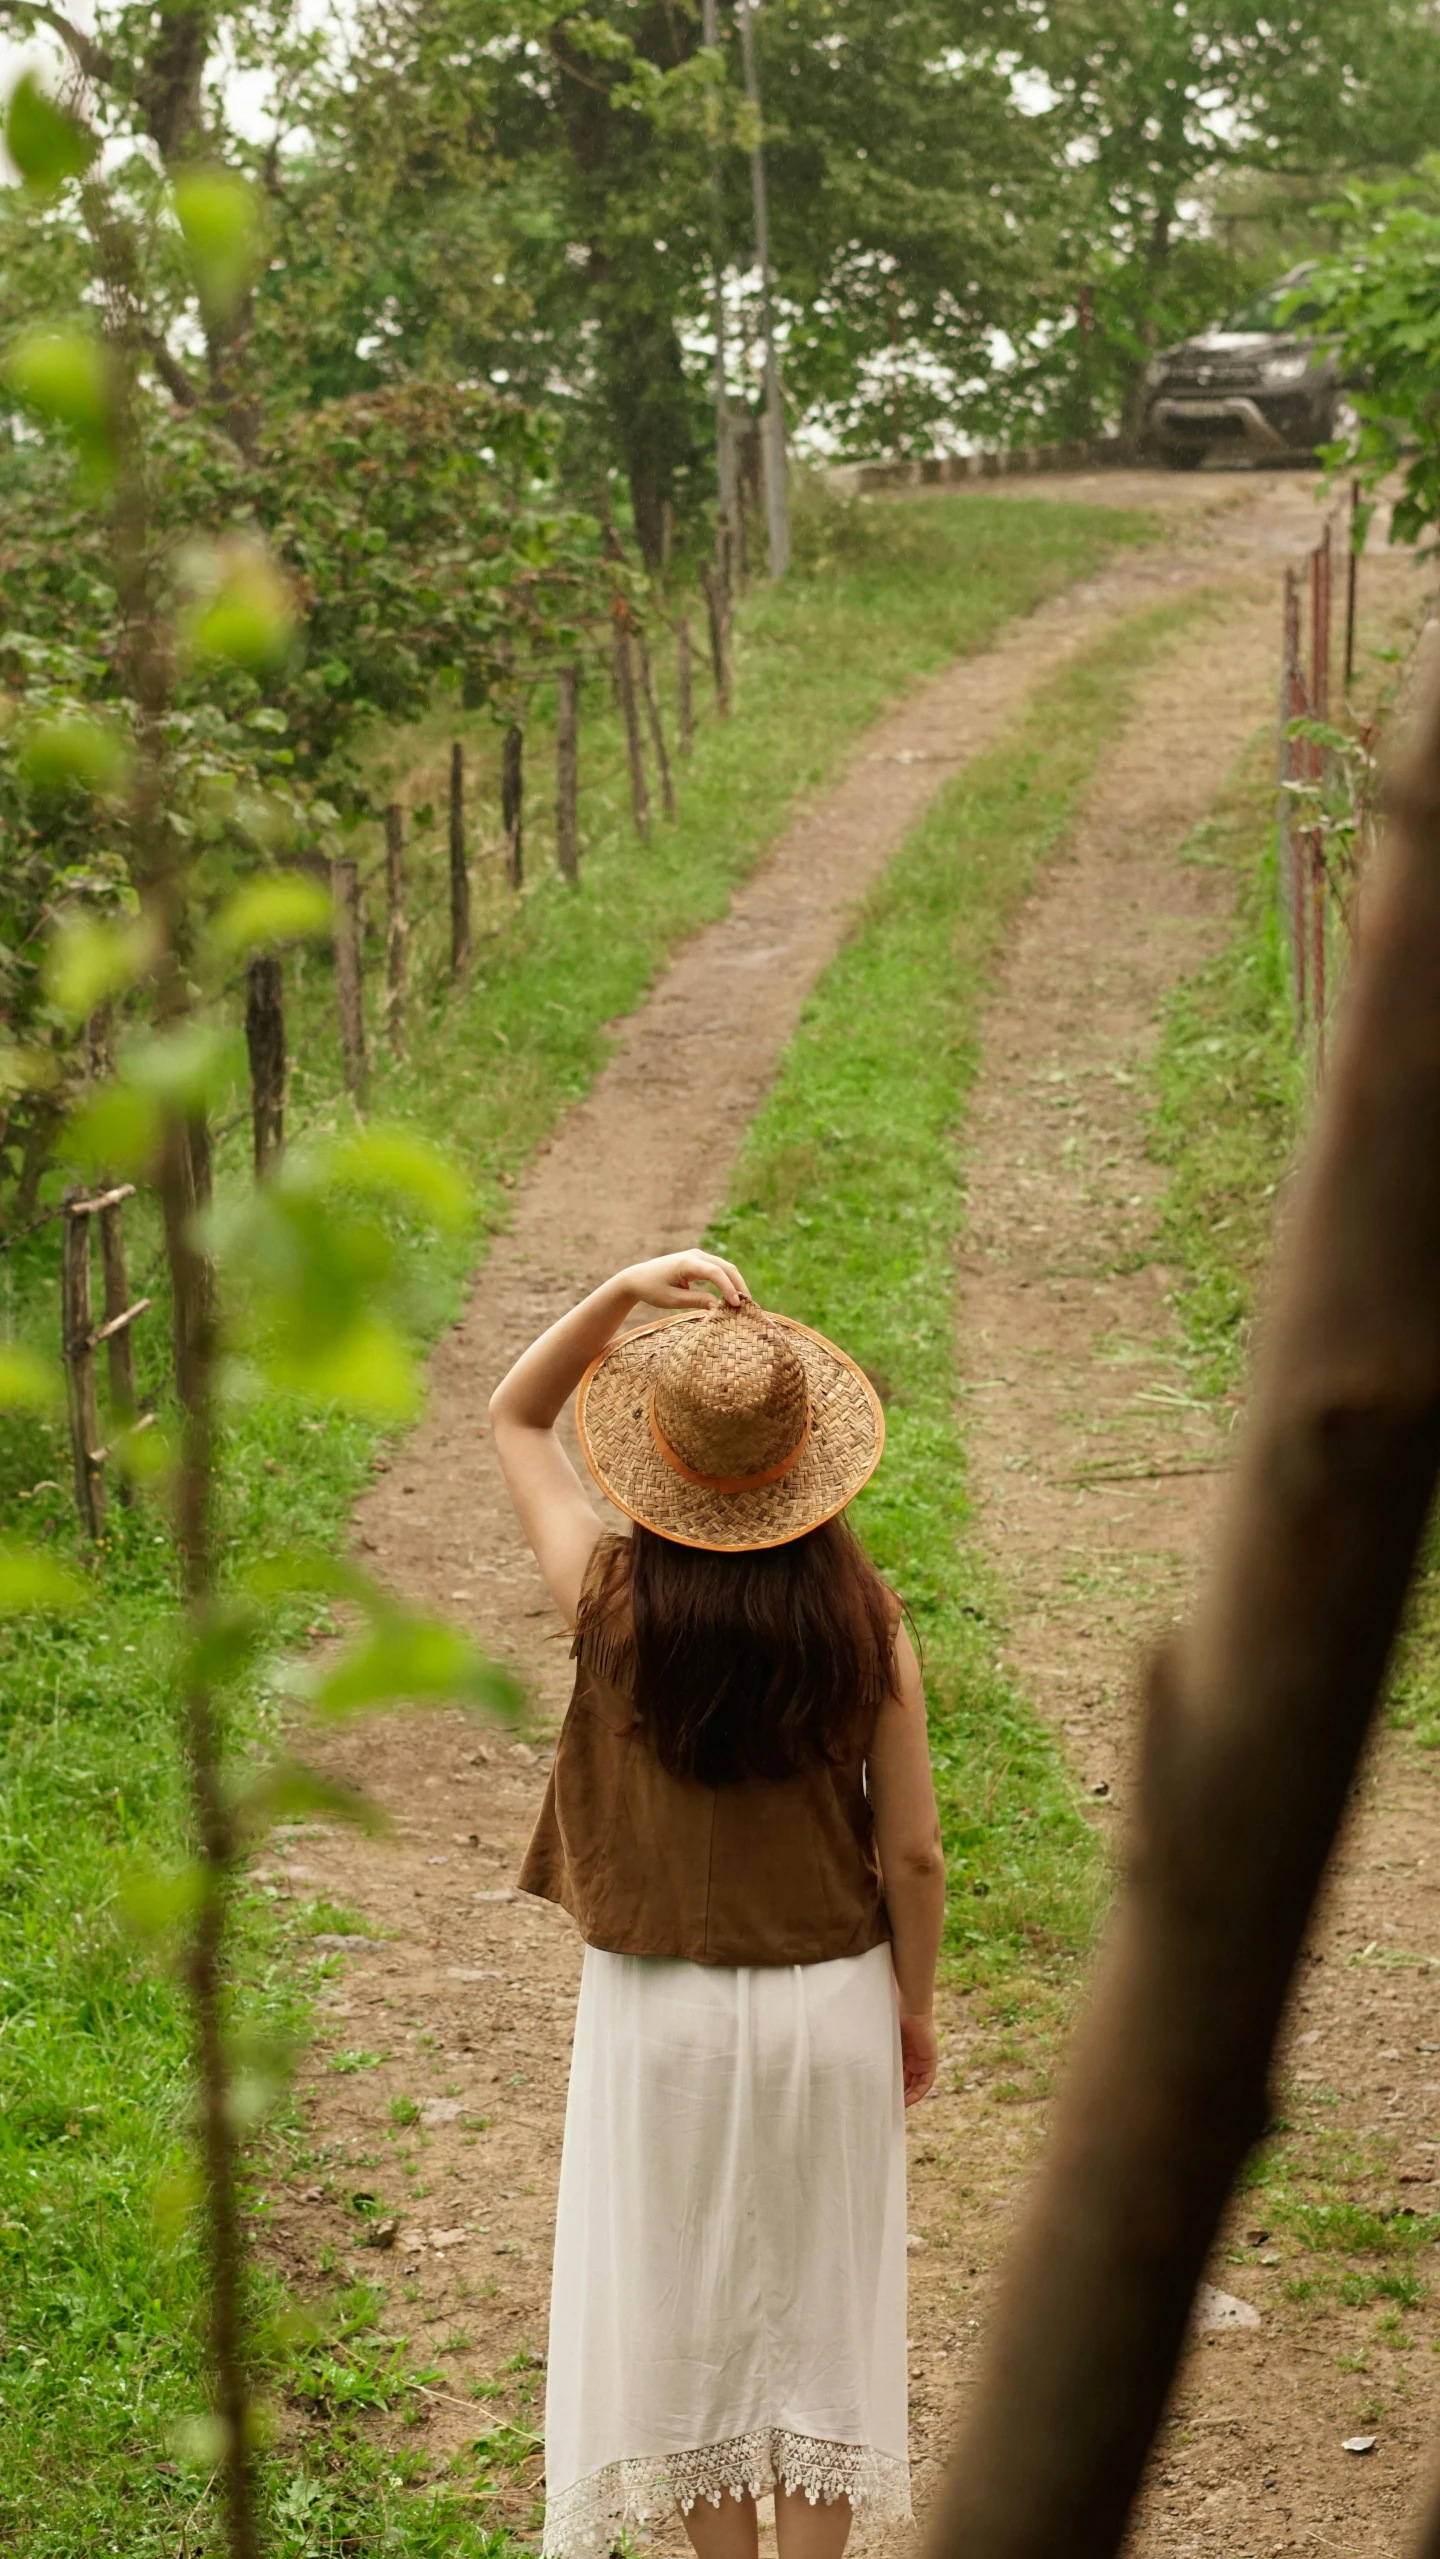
pixel 265 1041
pixel 1257 1720
pixel 630 713
pixel 76 1326
pixel 684 687
pixel 459 867
pixel 657 733
pixel 345 885
pixel 395 928
pixel 512 802
pixel 567 773
pixel 719 637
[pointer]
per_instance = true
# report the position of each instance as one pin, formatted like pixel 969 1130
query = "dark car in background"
pixel 1254 387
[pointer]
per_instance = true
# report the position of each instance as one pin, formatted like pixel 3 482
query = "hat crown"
pixel 731 1394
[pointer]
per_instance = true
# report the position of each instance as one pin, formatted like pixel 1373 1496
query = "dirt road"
pixel 440 2081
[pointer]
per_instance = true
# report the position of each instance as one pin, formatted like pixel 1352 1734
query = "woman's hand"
pixel 919 2057
pixel 680 1279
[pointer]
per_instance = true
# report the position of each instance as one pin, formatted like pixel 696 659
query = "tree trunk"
pixel 396 928
pixel 684 687
pixel 512 802
pixel 459 867
pixel 657 733
pixel 265 1040
pixel 345 887
pixel 630 713
pixel 567 754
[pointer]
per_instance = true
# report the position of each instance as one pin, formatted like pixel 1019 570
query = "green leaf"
pixel 288 1787
pixel 46 142
pixel 117 1130
pixel 63 375
pixel 200 2442
pixel 304 1571
pixel 29 1580
pixel 260 2065
pixel 388 1159
pixel 364 1365
pixel 177 2197
pixel 27 1384
pixel 187 1069
pixel 247 617
pixel 415 1659
pixel 225 1645
pixel 88 960
pixel 219 214
pixel 153 1901
pixel 57 753
pixel 277 907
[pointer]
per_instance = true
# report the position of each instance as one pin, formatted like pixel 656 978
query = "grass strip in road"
pixel 848 1209
pixel 99 2353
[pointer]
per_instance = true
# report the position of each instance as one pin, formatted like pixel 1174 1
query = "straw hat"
pixel 728 1428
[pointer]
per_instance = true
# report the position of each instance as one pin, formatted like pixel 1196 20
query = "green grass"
pixel 847 1210
pixel 99 2285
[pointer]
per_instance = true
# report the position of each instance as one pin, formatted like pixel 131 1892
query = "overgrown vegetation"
pixel 848 1205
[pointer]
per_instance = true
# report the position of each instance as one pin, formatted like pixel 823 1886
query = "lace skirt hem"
pixel 585 2521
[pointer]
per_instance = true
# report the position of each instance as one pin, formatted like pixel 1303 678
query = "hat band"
pixel 727 1483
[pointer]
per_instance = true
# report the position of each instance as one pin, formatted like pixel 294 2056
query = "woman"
pixel 740 1818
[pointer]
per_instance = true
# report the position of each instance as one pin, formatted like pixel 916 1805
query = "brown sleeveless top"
pixel 760 1872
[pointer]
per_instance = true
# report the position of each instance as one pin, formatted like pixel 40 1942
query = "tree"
pixel 1378 298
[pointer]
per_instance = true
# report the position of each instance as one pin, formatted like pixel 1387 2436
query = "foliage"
pixel 1379 300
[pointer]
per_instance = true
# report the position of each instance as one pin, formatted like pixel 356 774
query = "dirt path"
pixel 440 2085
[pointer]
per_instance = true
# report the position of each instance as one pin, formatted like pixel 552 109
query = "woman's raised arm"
pixel 550 1500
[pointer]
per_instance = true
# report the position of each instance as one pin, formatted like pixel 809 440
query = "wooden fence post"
pixel 345 886
pixel 76 1328
pixel 512 802
pixel 265 1041
pixel 567 752
pixel 719 637
pixel 630 712
pixel 657 733
pixel 395 928
pixel 684 686
pixel 459 868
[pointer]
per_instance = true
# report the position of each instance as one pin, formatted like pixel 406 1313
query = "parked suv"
pixel 1252 386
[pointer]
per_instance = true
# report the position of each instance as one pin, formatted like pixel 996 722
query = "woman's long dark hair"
pixel 753 1665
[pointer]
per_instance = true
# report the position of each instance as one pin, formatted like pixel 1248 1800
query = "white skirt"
pixel 728 2310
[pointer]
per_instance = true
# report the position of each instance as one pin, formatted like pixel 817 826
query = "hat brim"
pixel 844 1447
